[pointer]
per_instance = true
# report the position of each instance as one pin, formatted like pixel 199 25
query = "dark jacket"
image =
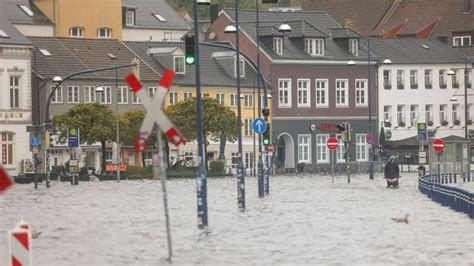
pixel 391 170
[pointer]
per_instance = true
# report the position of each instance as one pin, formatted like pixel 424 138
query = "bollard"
pixel 19 247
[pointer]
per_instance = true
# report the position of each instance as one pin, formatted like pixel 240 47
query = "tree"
pixel 218 120
pixel 95 122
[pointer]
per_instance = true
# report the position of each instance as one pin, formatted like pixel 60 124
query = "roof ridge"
pixel 268 11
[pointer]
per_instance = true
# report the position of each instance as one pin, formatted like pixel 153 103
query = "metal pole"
pixel 240 167
pixel 201 178
pixel 163 188
pixel 117 127
pixel 254 135
pixel 261 183
pixel 333 161
pixel 371 151
pixel 466 118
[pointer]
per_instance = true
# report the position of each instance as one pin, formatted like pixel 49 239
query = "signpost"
pixel 332 144
pixel 35 143
pixel 438 147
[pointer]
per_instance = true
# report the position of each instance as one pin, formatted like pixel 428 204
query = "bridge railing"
pixel 436 188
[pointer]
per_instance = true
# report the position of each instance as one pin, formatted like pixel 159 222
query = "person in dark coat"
pixel 391 168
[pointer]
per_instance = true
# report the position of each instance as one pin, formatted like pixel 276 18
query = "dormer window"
pixel 242 68
pixel 314 47
pixel 179 65
pixel 130 17
pixel 462 40
pixel 76 32
pixel 104 33
pixel 354 46
pixel 278 45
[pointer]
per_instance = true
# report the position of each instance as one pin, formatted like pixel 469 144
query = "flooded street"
pixel 305 220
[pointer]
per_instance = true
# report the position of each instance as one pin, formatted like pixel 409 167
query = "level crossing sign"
pixel 259 125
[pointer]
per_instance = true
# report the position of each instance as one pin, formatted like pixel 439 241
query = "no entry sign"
pixel 438 145
pixel 270 148
pixel 332 143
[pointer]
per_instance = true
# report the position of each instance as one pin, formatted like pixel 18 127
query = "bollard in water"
pixel 19 245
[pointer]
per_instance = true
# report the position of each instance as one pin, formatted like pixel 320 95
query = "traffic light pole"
pixel 260 176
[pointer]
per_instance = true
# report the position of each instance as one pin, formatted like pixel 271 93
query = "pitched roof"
pixel 311 24
pixel 361 15
pixel 212 73
pixel 414 51
pixel 69 55
pixel 145 18
pixel 11 9
pixel 14 35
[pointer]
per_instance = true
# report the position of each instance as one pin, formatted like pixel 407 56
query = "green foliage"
pixel 216 167
pixel 134 172
pixel 130 123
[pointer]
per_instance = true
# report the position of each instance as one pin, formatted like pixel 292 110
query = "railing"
pixel 456 198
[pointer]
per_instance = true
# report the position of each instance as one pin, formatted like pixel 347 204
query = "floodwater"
pixel 305 220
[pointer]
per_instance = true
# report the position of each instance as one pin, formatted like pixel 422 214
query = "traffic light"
pixel 265 112
pixel 189 47
pixel 266 136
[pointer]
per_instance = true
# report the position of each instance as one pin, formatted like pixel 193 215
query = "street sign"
pixel 39 128
pixel 422 132
pixel 35 141
pixel 270 148
pixel 332 143
pixel 72 138
pixel 369 138
pixel 438 145
pixel 259 125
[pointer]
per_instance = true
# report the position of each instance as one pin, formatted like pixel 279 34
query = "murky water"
pixel 306 220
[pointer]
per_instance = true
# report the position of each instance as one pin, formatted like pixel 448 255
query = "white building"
pixel 15 97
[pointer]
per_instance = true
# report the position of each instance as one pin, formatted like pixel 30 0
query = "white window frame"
pixel 106 95
pixel 354 46
pixel 361 93
pixel 303 93
pixel 58 95
pixel 443 110
pixel 15 91
pixel 220 97
pixel 248 100
pixel 401 114
pixel 413 115
pixel 159 17
pixel 443 82
pixel 187 95
pixel 428 78
pixel 233 99
pixel 322 149
pixel 179 65
pixel 248 127
pixel 455 114
pixel 278 45
pixel 89 94
pixel 104 33
pixel 135 99
pixel 76 32
pixel 322 96
pixel 282 91
pixel 304 148
pixel 361 148
pixel 122 95
pixel 342 93
pixel 340 150
pixel 387 79
pixel 387 113
pixel 152 91
pixel 462 39
pixel 414 78
pixel 7 139
pixel 72 94
pixel 27 10
pixel 429 113
pixel 242 68
pixel 400 79
pixel 314 46
pixel 130 17
pixel 173 97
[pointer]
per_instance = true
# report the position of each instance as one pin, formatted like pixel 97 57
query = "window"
pixel 442 113
pixel 151 91
pixel 248 129
pixel 470 112
pixel 361 92
pixel 303 93
pixel 322 93
pixel 387 80
pixel 249 160
pixel 6 142
pixel 76 32
pixel 340 150
pixel 27 10
pixel 135 99
pixel 428 78
pixel 314 47
pixel 179 65
pixel 73 94
pixel 413 115
pixel 148 158
pixel 429 113
pixel 104 33
pixel 57 95
pixel 242 68
pixel 400 79
pixel 122 95
pixel 354 46
pixel 44 52
pixel 106 95
pixel 304 144
pixel 455 114
pixel 130 17
pixel 321 149
pixel 284 92
pixel 3 34
pixel 221 98
pixel 387 113
pixel 173 96
pixel 248 100
pixel 235 158
pixel 361 147
pixel 400 114
pixel 455 79
pixel 188 95
pixel 278 45
pixel 89 94
pixel 462 41
pixel 233 99
pixel 159 17
pixel 469 78
pixel 442 78
pixel 14 92
pixel 414 79
pixel 341 93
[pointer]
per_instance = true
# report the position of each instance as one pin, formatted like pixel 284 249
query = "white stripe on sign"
pixel 17 249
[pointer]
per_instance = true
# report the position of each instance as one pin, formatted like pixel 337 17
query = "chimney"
pixel 467 6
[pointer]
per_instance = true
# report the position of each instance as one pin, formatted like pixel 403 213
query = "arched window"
pixel 104 33
pixel 6 146
pixel 76 32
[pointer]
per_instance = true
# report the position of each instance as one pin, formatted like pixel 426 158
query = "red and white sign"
pixel 5 180
pixel 155 113
pixel 270 148
pixel 438 145
pixel 19 240
pixel 332 143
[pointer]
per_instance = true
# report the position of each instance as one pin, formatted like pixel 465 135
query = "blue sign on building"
pixel 72 138
pixel 259 125
pixel 35 141
pixel 422 132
